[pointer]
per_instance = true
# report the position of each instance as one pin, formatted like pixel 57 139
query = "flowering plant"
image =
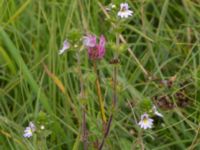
pixel 95 50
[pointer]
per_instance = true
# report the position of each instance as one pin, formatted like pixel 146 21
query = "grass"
pixel 161 40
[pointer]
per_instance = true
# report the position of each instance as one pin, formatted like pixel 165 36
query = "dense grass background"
pixel 163 34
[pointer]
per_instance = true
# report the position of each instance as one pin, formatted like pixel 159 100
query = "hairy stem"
pixel 113 108
pixel 82 96
pixel 100 98
pixel 114 101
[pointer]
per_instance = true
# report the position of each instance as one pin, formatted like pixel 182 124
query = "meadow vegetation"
pixel 77 101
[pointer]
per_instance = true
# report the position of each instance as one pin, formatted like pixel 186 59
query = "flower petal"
pixel 89 41
pixel 66 46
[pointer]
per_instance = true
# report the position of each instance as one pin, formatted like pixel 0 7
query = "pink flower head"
pixel 95 51
pixel 89 41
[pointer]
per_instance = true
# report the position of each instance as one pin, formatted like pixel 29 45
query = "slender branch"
pixel 106 132
pixel 114 100
pixel 115 87
pixel 113 108
pixel 100 98
pixel 84 128
pixel 82 96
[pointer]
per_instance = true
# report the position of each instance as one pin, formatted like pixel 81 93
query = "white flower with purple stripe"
pixel 124 12
pixel 28 132
pixel 145 122
pixel 66 46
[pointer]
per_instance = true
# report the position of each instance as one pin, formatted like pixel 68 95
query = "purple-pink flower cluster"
pixel 95 50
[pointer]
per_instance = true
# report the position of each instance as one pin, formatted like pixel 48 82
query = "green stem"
pixel 100 98
pixel 84 128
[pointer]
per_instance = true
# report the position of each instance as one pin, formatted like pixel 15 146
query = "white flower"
pixel 66 46
pixel 42 127
pixel 112 6
pixel 28 132
pixel 156 112
pixel 75 45
pixel 124 11
pixel 145 121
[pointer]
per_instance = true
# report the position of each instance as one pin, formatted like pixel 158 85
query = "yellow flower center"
pixel 30 131
pixel 145 121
